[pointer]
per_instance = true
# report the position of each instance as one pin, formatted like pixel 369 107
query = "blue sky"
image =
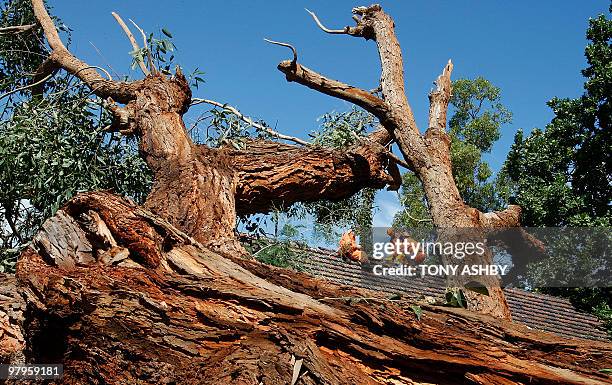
pixel 532 50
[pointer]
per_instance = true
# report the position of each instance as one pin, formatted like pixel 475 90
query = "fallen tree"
pixel 118 295
pixel 163 294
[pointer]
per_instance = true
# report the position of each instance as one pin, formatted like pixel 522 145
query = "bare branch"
pixel 132 40
pixel 16 29
pixel 292 48
pixel 439 99
pixel 249 121
pixel 120 91
pixel 311 79
pixel 26 87
pixel 146 46
pixel 344 31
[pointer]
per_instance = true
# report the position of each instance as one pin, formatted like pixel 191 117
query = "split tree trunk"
pixel 118 295
pixel 122 294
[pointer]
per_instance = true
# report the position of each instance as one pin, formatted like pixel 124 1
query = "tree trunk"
pixel 118 295
pixel 122 294
pixel 427 155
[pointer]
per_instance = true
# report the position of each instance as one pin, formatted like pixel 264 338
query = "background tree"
pixel 478 116
pixel 563 174
pixel 52 138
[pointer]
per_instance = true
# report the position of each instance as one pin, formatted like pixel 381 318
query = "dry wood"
pixel 165 309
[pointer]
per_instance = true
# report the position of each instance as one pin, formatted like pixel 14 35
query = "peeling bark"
pixel 159 294
pixel 187 315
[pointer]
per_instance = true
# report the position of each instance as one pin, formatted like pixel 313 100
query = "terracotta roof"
pixel 537 311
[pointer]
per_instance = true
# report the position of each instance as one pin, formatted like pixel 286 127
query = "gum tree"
pixel 162 293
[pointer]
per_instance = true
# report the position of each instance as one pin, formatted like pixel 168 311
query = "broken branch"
pixel 439 99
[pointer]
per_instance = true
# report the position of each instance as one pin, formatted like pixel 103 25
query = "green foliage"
pixel 418 312
pixel 455 298
pixel 20 54
pixel 159 52
pixel 51 147
pixel 281 251
pixel 341 130
pixel 562 174
pixel 478 113
pixel 473 128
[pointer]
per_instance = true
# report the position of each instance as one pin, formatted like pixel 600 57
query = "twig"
pixel 105 59
pixel 324 28
pixel 146 46
pixel 132 40
pixel 292 48
pixel 233 110
pixel 16 29
pixel 402 202
pixel 26 87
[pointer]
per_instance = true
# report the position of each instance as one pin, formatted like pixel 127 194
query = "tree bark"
pixel 119 295
pixel 122 294
pixel 428 154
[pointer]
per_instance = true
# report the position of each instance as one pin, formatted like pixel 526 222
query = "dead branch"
pixel 15 29
pixel 439 99
pixel 325 29
pixel 132 40
pixel 292 48
pixel 119 91
pixel 315 81
pixel 246 119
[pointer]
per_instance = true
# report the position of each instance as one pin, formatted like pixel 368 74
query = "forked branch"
pixel 139 59
pixel 119 91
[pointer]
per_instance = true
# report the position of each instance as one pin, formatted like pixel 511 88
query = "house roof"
pixel 537 311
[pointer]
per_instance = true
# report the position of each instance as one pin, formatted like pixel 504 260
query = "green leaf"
pixel 606 371
pixel 417 311
pixel 166 32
